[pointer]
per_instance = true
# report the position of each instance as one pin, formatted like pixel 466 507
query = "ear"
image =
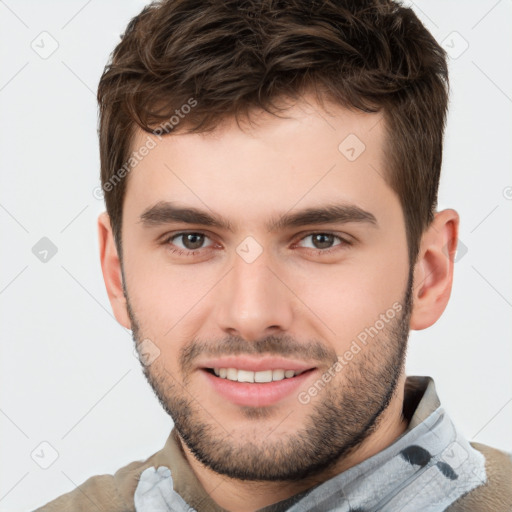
pixel 111 268
pixel 433 272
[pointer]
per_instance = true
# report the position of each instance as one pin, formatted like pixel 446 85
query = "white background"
pixel 68 373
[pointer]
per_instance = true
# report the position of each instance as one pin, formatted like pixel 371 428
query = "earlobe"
pixel 111 269
pixel 433 272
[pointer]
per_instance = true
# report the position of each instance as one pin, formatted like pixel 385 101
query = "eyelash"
pixel 343 243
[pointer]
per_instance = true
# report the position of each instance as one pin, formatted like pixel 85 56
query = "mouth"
pixel 252 383
pixel 260 377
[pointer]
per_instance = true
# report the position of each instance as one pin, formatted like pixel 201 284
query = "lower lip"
pixel 257 394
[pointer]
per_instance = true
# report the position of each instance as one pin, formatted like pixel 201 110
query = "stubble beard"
pixel 343 415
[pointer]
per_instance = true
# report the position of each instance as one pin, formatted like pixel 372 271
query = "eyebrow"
pixel 165 212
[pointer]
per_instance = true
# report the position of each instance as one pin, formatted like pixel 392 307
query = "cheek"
pixel 348 299
pixel 165 296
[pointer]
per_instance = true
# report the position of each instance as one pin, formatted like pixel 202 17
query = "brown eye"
pixel 321 241
pixel 187 243
pixel 191 241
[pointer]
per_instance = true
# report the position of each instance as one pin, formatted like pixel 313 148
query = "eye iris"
pixel 193 240
pixel 323 240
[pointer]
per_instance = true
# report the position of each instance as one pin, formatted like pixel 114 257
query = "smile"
pixel 256 388
pixel 237 375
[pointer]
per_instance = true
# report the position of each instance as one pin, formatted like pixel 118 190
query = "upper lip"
pixel 257 364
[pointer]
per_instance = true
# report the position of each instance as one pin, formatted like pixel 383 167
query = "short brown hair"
pixel 234 56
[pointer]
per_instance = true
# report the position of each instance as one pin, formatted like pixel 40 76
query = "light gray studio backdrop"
pixel 74 402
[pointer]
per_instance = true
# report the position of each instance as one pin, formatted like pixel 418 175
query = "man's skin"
pixel 291 290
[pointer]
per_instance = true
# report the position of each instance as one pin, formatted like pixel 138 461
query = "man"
pixel 270 171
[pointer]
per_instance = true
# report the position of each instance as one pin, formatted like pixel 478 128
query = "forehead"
pixel 308 155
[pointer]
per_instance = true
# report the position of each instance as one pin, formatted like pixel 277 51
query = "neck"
pixel 248 496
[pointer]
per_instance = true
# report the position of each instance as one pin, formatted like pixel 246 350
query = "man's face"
pixel 325 296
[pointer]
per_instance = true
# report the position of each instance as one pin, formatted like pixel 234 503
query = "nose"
pixel 254 301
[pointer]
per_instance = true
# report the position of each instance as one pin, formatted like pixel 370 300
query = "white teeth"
pixel 245 376
pixel 250 376
pixel 264 376
pixel 277 374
